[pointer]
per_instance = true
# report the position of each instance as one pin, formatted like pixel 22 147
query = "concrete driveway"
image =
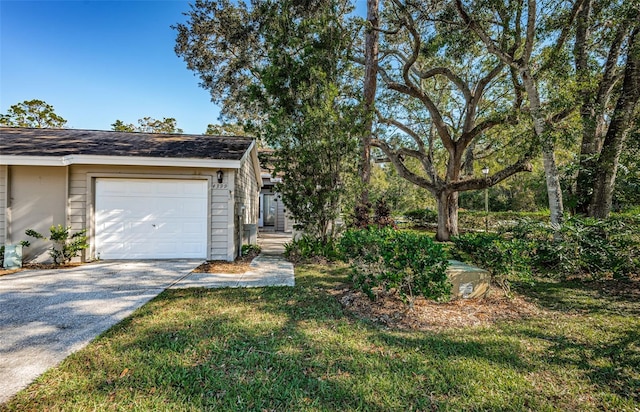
pixel 46 315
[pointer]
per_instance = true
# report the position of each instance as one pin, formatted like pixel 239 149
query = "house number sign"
pixel 219 186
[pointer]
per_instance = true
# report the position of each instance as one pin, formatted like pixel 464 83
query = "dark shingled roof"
pixel 18 141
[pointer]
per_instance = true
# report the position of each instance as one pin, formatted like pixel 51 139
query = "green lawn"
pixel 295 349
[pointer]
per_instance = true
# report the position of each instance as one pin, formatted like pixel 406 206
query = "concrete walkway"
pixel 45 315
pixel 270 268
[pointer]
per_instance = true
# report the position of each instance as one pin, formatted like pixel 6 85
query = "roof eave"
pixel 12 160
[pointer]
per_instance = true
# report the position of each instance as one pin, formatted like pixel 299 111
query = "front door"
pixel 269 210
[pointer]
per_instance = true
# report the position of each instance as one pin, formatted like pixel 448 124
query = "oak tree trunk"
pixel 621 122
pixel 447 216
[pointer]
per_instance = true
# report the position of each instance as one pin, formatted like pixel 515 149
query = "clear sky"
pixel 98 61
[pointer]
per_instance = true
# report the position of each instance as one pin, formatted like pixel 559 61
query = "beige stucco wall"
pixel 36 199
pixel 81 200
pixel 3 203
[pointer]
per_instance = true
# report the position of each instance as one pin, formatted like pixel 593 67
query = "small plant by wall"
pixel 65 246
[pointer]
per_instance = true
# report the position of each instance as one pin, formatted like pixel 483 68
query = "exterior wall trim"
pixel 118 161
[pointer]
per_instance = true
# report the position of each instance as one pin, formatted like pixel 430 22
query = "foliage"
pixel 476 220
pixel 591 247
pixel 65 246
pixel 422 217
pixel 382 215
pixel 278 68
pixel 308 248
pixel 225 129
pixel 148 125
pixel 32 113
pixel 598 248
pixel 411 264
pixel 250 250
pixel 398 192
pixel 506 259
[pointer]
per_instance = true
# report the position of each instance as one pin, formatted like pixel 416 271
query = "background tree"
pixel 32 113
pixel 371 45
pixel 120 126
pixel 277 67
pixel 603 31
pixel 442 97
pixel 225 129
pixel 530 42
pixel 149 125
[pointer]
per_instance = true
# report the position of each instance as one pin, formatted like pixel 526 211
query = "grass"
pixel 295 349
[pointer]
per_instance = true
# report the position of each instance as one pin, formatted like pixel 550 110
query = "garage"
pixel 136 195
pixel 151 218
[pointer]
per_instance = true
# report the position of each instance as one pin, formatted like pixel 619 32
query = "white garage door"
pixel 151 218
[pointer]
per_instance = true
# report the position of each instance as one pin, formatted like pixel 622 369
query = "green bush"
pixel 65 247
pixel 250 249
pixel 599 248
pixel 476 220
pixel 411 264
pixel 504 258
pixel 422 217
pixel 307 247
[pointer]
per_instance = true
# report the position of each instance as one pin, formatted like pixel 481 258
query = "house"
pixel 273 214
pixel 138 195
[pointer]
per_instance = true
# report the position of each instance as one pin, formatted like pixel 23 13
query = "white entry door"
pixel 150 218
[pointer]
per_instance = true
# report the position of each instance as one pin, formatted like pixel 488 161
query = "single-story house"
pixel 138 195
pixel 273 213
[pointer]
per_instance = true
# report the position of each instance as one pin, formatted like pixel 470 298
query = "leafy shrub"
pixel 476 220
pixel 308 247
pixel 382 215
pixel 250 250
pixel 599 248
pixel 409 263
pixel 504 258
pixel 422 217
pixel 65 247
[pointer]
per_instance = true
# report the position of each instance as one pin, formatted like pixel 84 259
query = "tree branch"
pixel 522 165
pixel 486 39
pixel 402 170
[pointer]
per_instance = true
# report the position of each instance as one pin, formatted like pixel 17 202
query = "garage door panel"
pixel 151 218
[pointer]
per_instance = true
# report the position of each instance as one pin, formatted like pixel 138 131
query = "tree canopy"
pixel 32 113
pixel 278 68
pixel 439 89
pixel 148 125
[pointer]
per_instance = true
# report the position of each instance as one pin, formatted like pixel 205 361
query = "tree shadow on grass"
pixel 295 349
pixel 611 297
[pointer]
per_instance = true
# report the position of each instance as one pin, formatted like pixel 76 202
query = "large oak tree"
pixel 442 105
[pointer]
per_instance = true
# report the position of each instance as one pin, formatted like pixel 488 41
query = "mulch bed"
pixel 393 313
pixel 240 265
pixel 39 266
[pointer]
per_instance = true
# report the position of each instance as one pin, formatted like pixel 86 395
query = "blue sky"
pixel 98 61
